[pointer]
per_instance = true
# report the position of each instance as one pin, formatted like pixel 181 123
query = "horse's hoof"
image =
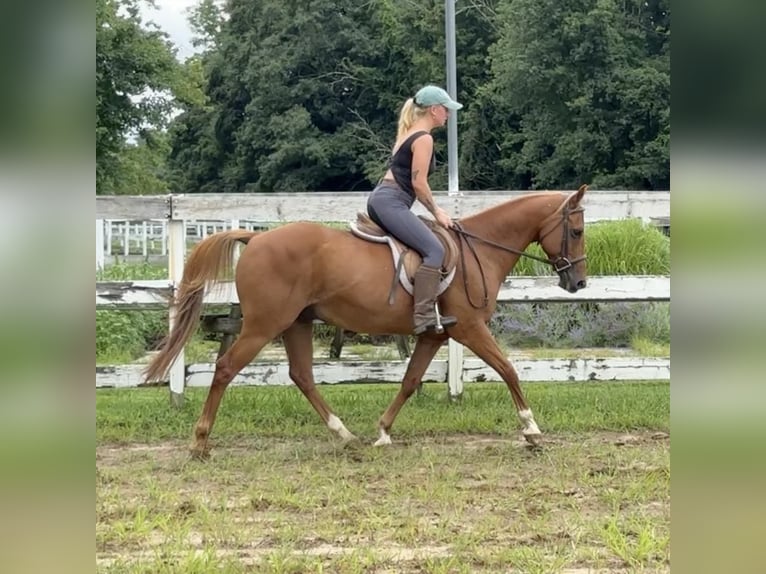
pixel 534 439
pixel 201 454
pixel 384 440
pixel 350 442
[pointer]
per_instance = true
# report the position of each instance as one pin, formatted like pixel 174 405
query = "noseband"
pixel 560 263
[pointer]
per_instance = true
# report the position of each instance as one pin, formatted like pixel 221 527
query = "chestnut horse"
pixel 288 276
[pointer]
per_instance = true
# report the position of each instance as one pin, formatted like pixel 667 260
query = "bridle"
pixel 560 262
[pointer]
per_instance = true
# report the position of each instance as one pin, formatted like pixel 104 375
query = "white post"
pixel 164 238
pixel 449 26
pixel 177 248
pixel 99 244
pixel 455 370
pixel 126 235
pixel 145 245
pixel 238 249
pixel 455 358
pixel 109 224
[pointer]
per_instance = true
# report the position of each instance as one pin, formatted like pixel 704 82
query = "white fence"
pixel 125 240
pixel 182 211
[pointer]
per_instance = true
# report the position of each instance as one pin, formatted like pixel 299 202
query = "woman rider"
pixel 412 161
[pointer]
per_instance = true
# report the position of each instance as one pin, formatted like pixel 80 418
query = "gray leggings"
pixel 389 206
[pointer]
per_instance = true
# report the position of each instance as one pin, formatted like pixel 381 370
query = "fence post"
pixel 164 245
pixel 176 255
pixel 99 244
pixel 238 249
pixel 108 237
pixel 126 237
pixel 455 370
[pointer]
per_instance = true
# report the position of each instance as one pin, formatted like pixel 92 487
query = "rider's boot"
pixel 426 284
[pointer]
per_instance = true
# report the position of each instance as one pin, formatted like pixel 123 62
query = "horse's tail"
pixel 212 258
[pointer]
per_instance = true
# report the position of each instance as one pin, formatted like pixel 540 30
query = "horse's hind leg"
pixel 244 349
pixel 299 344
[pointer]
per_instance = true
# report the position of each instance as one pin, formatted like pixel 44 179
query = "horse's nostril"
pixel 581 284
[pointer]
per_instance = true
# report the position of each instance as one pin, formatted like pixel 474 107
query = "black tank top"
pixel 401 163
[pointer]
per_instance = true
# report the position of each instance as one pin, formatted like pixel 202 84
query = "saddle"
pixel 406 261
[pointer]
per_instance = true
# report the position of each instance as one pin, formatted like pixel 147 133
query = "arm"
pixel 422 148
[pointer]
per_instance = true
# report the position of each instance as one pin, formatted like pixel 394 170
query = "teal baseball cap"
pixel 435 96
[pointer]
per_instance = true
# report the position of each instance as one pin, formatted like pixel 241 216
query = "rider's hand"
pixel 443 218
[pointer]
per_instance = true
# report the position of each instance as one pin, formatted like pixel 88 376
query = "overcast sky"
pixel 171 16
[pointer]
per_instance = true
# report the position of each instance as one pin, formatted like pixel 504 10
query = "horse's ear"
pixel 576 197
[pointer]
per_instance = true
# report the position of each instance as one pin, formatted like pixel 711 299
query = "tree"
pixel 141 165
pixel 580 93
pixel 305 95
pixel 134 65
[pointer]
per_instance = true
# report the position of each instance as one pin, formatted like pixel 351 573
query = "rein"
pixel 560 264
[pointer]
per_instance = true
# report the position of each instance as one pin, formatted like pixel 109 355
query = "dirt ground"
pixel 591 502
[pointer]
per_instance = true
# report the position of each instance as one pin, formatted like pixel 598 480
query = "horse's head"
pixel 562 237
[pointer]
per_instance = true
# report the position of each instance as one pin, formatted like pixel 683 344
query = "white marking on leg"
pixel 385 438
pixel 530 426
pixel 335 424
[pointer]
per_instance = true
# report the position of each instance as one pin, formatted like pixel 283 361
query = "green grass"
pixel 649 348
pixel 142 415
pixel 624 247
pixel 457 492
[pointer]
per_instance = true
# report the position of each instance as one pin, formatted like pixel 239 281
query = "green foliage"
pixel 627 247
pixel 142 165
pixel 580 93
pixel 624 247
pixel 581 325
pixel 142 415
pixel 123 336
pixel 132 271
pixel 131 59
pixel 302 96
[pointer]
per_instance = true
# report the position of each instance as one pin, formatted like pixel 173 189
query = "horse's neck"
pixel 514 224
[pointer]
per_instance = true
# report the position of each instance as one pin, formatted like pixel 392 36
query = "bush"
pixel 625 247
pixel 126 335
pixel 121 271
pixel 580 325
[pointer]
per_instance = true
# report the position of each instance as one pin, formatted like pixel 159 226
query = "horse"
pixel 291 275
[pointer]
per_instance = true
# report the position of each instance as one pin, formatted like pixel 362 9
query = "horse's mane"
pixel 492 215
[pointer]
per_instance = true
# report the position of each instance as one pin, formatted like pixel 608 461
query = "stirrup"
pixel 438 327
pixel 437 324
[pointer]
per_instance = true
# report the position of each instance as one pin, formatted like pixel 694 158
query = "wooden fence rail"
pixel 177 210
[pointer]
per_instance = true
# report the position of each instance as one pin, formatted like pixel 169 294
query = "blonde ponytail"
pixel 406 117
pixel 409 114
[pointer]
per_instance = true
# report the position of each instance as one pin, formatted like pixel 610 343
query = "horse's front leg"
pixel 425 349
pixel 478 338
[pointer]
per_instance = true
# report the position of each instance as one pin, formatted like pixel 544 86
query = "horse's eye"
pixel 576 233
